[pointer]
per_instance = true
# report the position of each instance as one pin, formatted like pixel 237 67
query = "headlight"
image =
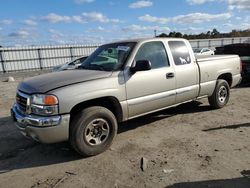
pixel 44 99
pixel 44 104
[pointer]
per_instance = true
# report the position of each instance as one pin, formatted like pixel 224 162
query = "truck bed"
pixel 213 66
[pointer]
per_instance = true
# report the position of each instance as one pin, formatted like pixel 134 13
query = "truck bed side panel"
pixel 212 67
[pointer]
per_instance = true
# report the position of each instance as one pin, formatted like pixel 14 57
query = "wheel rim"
pixel 222 94
pixel 97 132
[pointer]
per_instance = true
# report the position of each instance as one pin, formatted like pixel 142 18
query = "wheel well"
pixel 228 77
pixel 110 103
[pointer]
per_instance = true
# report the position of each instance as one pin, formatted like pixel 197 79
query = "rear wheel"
pixel 220 95
pixel 93 130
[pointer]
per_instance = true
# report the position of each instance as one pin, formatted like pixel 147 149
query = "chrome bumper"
pixel 42 129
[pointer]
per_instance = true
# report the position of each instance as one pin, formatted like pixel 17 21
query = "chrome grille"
pixel 21 101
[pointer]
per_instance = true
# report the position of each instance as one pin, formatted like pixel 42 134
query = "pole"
pixel 2 61
pixel 39 58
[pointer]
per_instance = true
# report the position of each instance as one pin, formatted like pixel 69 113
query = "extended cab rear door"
pixel 153 89
pixel 186 70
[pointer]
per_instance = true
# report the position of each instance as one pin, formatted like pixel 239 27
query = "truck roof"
pixel 147 39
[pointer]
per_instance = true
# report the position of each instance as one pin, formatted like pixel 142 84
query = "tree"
pixel 178 35
pixel 162 35
pixel 172 34
pixel 215 33
pixel 209 34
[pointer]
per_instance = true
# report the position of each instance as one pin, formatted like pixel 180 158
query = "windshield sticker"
pixel 123 48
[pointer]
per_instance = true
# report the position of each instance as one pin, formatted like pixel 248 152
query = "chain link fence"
pixel 212 43
pixel 40 57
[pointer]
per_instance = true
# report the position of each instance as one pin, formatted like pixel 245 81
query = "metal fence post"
pixel 2 61
pixel 39 58
pixel 71 52
pixel 198 44
pixel 240 41
pixel 232 40
pixel 222 42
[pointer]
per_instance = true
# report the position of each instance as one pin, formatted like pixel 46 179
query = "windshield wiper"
pixel 92 67
pixel 96 67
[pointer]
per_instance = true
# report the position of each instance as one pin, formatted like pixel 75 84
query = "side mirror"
pixel 141 65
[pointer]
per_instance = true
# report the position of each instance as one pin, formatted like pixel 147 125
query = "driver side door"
pixel 154 89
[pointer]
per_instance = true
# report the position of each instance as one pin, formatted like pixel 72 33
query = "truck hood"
pixel 46 82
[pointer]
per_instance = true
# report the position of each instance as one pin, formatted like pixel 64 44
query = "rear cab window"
pixel 179 52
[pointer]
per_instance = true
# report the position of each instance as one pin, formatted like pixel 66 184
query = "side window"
pixel 180 52
pixel 154 52
pixel 77 62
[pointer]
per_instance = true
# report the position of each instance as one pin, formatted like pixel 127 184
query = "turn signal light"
pixel 50 100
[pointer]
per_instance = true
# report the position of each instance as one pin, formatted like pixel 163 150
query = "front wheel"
pixel 221 94
pixel 93 130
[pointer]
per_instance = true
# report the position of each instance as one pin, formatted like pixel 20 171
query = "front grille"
pixel 21 101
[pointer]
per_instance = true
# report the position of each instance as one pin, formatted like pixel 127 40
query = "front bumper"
pixel 51 129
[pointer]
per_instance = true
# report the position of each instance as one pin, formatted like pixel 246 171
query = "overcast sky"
pixel 34 22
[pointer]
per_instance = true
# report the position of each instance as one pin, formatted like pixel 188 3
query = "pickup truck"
pixel 117 82
pixel 242 50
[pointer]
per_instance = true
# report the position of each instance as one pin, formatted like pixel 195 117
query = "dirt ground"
pixel 184 147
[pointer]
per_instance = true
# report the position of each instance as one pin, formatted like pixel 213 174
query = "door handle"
pixel 169 75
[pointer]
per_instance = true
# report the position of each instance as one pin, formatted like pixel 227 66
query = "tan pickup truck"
pixel 119 81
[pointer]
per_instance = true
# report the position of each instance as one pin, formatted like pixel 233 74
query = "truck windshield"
pixel 109 57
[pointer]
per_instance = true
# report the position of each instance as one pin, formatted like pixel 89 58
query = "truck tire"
pixel 93 130
pixel 221 94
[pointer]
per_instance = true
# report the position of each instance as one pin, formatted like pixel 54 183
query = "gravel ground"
pixel 188 146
